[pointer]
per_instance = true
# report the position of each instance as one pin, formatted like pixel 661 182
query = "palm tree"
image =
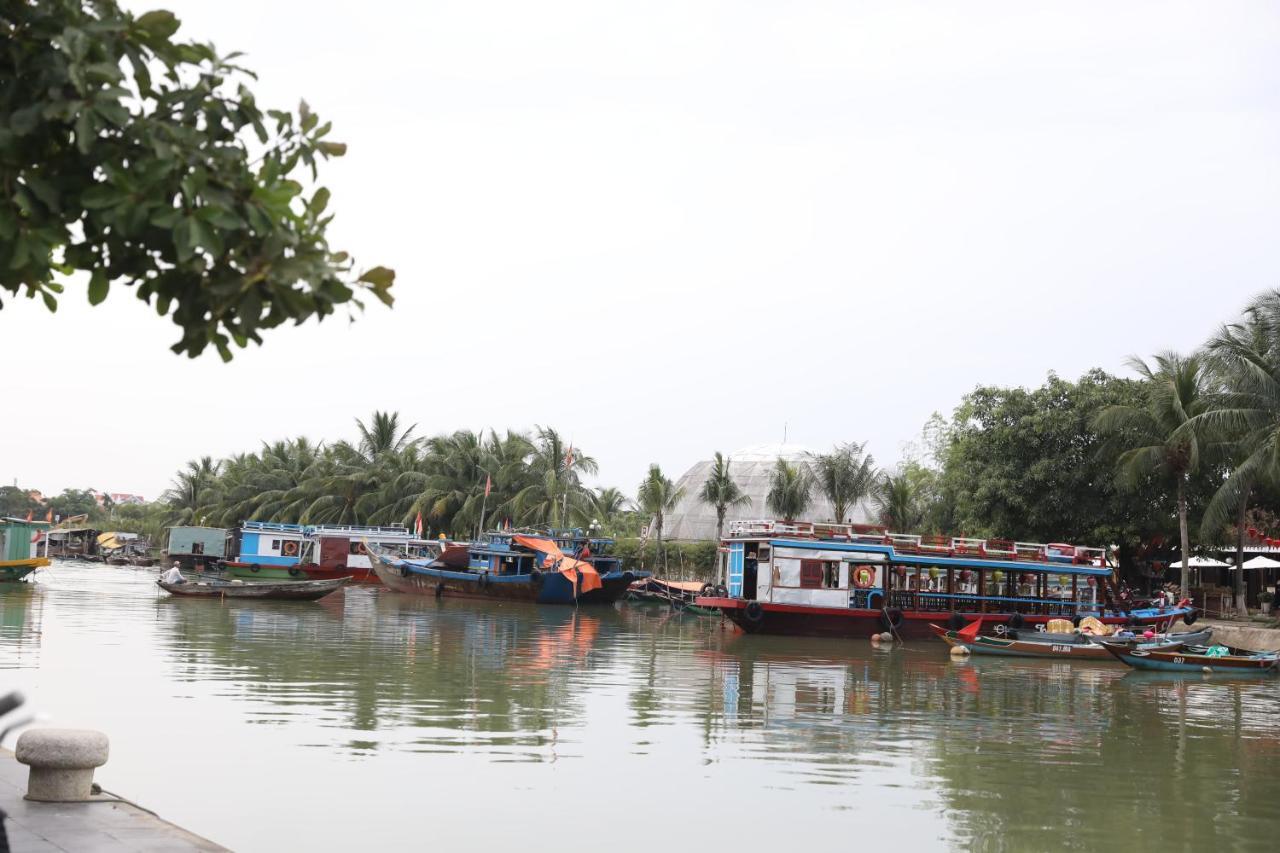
pixel 657 496
pixel 790 490
pixel 897 499
pixel 845 476
pixel 192 490
pixel 383 435
pixel 604 506
pixel 720 491
pixel 1245 417
pixel 554 488
pixel 1158 439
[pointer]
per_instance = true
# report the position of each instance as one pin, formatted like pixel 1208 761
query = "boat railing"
pixel 758 527
pixel 273 526
pixel 355 529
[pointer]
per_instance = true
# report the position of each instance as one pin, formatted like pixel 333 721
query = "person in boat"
pixel 174 575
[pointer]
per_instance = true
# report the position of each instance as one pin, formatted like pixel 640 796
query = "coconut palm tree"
pixel 897 500
pixel 845 476
pixel 1158 439
pixel 554 488
pixel 657 496
pixel 383 435
pixel 790 490
pixel 1244 417
pixel 720 491
pixel 192 490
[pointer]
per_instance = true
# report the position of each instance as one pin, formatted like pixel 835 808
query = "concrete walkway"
pixel 1239 635
pixel 105 824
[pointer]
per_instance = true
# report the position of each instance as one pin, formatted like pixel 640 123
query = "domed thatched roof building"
pixel 750 468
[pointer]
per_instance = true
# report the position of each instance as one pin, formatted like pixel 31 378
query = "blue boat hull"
pixel 546 588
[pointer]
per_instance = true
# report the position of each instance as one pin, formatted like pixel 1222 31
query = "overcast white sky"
pixel 667 228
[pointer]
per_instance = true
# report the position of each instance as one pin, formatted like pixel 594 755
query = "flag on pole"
pixel 48 516
pixel 417 526
pixel 568 458
pixel 488 483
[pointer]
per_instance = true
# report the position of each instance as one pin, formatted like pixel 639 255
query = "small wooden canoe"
pixel 273 591
pixel 1186 658
pixel 1078 647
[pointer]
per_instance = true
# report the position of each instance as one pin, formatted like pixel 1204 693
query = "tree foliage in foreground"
pixel 145 161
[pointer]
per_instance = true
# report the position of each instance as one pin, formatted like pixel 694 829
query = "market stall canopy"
pixel 1260 563
pixel 1202 563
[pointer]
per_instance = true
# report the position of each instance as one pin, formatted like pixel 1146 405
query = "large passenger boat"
pixel 273 551
pixel 857 580
pixel 553 567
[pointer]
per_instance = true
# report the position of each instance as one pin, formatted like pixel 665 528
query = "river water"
pixel 371 720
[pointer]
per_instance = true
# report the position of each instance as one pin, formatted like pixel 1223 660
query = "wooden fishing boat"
pixel 274 551
pixel 515 567
pixel 678 595
pixel 20 542
pixel 266 590
pixel 1037 644
pixel 854 580
pixel 1186 658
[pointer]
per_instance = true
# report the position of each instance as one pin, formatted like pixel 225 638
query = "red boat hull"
pixel 805 621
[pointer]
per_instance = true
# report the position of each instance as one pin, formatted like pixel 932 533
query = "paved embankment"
pixel 103 824
pixel 1239 635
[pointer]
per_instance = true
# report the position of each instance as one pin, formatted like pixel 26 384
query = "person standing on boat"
pixel 174 575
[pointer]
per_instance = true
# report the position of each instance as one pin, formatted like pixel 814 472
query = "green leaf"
pixel 49 302
pixel 319 202
pixel 100 196
pixel 159 23
pixel 98 286
pixel 333 149
pixel 86 131
pixel 379 277
pixel 23 121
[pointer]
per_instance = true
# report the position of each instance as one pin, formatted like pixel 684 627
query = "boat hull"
pixel 13 571
pixel 806 621
pixel 549 588
pixel 1184 660
pixel 1071 649
pixel 292 591
pixel 306 571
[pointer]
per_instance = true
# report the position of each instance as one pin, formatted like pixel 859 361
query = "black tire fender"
pixel 1016 621
pixel 404 571
pixel 1191 617
pixel 439 589
pixel 753 613
pixel 255 568
pixel 707 590
pixel 955 622
pixel 891 619
pixel 294 571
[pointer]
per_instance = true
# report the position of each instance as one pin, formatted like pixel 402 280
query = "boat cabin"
pixel 498 553
pixel 868 568
pixel 22 540
pixel 341 546
pixel 269 543
pixel 72 542
pixel 197 548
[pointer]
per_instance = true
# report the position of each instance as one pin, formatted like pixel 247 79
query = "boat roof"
pixel 941 560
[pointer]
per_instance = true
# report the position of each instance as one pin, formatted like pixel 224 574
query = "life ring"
pixel 255 568
pixel 294 571
pixel 290 548
pixel 891 620
pixel 863 577
pixel 754 613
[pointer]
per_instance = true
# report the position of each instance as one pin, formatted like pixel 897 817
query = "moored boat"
pixel 846 580
pixel 20 548
pixel 265 590
pixel 513 566
pixel 678 595
pixel 1203 659
pixel 1037 644
pixel 275 551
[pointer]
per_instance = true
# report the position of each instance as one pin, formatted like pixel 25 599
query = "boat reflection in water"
pixel 397 702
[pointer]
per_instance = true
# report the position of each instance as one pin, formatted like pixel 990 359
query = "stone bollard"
pixel 62 763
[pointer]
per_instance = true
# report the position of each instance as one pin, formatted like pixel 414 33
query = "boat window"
pixel 763 555
pixel 197 547
pixel 831 574
pixel 811 574
pixel 275 544
pixel 356 547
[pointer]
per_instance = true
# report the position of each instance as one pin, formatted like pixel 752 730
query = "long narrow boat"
pixel 511 566
pixel 1077 647
pixel 265 590
pixel 1185 658
pixel 850 580
pixel 678 595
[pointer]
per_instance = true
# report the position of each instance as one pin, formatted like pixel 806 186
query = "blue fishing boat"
pixel 554 567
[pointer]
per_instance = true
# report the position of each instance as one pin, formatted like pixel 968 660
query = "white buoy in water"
pixel 1207 670
pixel 959 651
pixel 886 637
pixel 875 639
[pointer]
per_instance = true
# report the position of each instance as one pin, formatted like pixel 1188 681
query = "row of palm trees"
pixel 455 482
pixel 846 477
pixel 1213 412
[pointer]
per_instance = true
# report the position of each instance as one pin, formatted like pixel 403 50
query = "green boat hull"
pixel 264 573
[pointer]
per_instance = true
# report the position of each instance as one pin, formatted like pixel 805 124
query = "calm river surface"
pixel 372 720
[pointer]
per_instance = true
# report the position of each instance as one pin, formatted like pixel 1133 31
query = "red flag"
pixel 568 458
pixel 417 525
pixel 48 516
pixel 969 633
pixel 487 484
